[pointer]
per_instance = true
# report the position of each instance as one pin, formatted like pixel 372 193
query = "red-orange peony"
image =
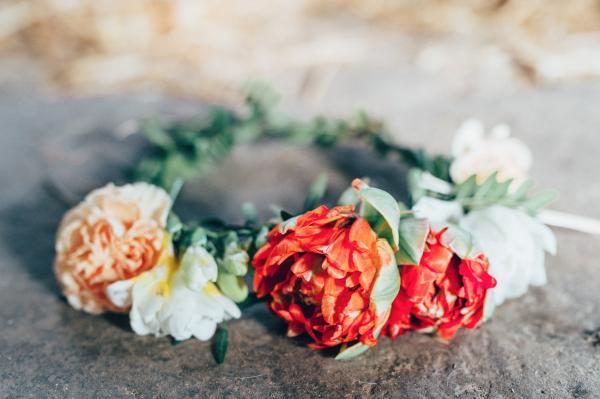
pixel 442 293
pixel 318 272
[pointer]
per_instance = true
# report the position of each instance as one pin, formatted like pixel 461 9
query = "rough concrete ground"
pixel 534 348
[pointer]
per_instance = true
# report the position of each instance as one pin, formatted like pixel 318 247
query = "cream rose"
pixel 115 234
pixel 173 299
pixel 481 155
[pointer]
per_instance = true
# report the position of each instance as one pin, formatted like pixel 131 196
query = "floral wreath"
pixel 472 236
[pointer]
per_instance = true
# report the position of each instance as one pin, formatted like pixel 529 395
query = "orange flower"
pixel 442 293
pixel 115 234
pixel 318 271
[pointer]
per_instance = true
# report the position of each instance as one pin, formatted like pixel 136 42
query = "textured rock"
pixel 534 347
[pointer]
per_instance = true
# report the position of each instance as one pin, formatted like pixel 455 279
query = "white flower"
pixel 514 242
pixel 481 155
pixel 177 300
pixel 437 210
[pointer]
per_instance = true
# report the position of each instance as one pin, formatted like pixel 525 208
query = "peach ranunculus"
pixel 115 234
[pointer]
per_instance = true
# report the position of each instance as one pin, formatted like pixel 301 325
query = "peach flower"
pixel 115 234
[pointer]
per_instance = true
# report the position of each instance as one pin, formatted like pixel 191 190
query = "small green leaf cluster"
pixel 230 246
pixel 492 191
pixel 187 149
pixel 472 194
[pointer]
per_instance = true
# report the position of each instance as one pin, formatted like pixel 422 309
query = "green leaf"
pixel 466 188
pixel 413 235
pixel 261 237
pixel 413 181
pixel 198 237
pixel 521 192
pixel 220 344
pixel 157 135
pixel 348 197
pixel 488 186
pixel 250 214
pixel 387 283
pixel 533 204
pixel 232 286
pixel 351 352
pixel 174 224
pixel 499 191
pixel 460 241
pixel 383 203
pixel 289 224
pixel 176 188
pixel 316 192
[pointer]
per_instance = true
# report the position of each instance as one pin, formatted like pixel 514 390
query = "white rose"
pixel 177 300
pixel 514 242
pixel 481 155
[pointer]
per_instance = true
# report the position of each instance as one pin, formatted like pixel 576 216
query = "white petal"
pixel 437 210
pixel 204 329
pixel 198 268
pixel 178 311
pixel 468 135
pixel 119 293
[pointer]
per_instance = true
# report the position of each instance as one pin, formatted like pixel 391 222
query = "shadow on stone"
pixel 28 230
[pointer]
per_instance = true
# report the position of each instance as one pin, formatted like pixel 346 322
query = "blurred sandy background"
pixel 209 49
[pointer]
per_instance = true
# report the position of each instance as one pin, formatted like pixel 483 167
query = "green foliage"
pixel 413 235
pixel 473 195
pixel 380 209
pixel 437 165
pixel 184 150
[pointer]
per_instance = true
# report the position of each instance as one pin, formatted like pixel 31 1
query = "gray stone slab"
pixel 535 347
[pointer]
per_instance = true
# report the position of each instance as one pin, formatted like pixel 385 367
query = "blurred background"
pixel 208 49
pixel 70 69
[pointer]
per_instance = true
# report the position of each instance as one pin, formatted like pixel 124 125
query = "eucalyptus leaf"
pixel 174 224
pixel 383 203
pixel 521 192
pixel 261 237
pixel 533 204
pixel 466 188
pixel 413 181
pixel 387 282
pixel 488 186
pixel 348 197
pixel 412 237
pixel 287 225
pixel 351 352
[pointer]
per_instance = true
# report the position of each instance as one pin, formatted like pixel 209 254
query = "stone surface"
pixel 53 151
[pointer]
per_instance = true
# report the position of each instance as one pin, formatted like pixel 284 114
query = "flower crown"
pixel 471 237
